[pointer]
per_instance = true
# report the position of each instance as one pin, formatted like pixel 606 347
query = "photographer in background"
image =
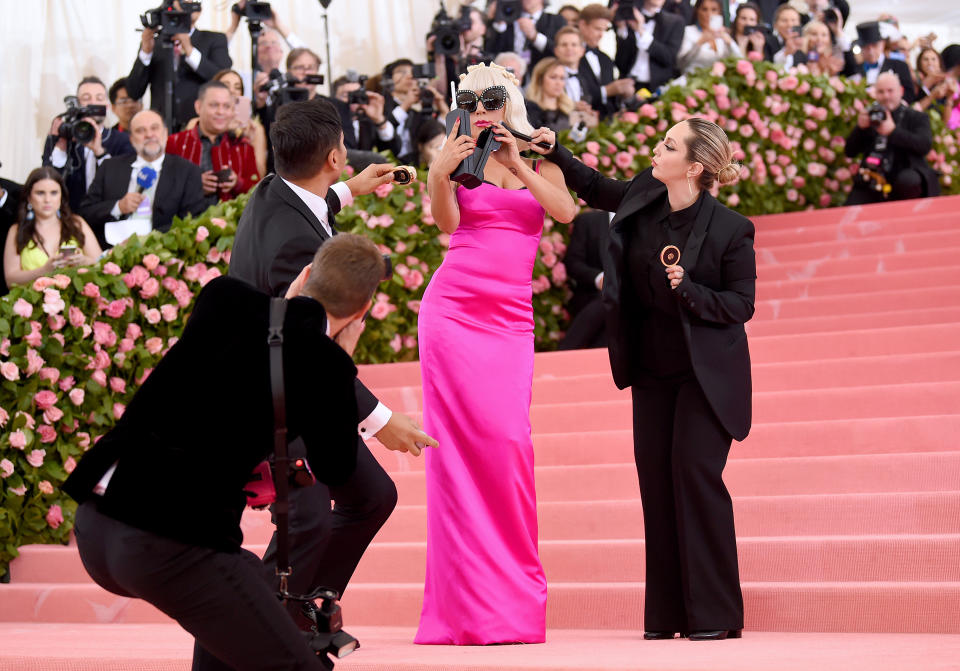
pixel 471 30
pixel 748 29
pixel 78 142
pixel 365 126
pixel 785 45
pixel 228 164
pixel 197 56
pixel 122 105
pixel 161 495
pixel 894 141
pixel 402 93
pixel 647 43
pixel 596 72
pixel 530 35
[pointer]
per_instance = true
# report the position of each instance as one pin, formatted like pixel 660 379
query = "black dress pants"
pixel 222 598
pixel 692 577
pixel 326 545
pixel 588 328
pixel 906 185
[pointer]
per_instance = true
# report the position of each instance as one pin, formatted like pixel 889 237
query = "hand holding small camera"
pixel 374 108
pixel 887 126
pixel 526 26
pixel 210 182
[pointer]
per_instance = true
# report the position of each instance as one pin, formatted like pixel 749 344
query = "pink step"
pixel 858 229
pixel 932 207
pixel 834 267
pixel 870 282
pixel 854 322
pixel 853 303
pixel 799 251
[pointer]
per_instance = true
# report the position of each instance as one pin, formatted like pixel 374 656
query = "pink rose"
pixel 103 334
pixel 66 384
pixel 91 290
pixel 162 270
pixel 35 458
pixel 647 110
pixel 47 435
pixel 559 274
pixel 19 491
pixel 168 312
pixel 150 261
pixel 380 309
pixel 202 233
pixel 117 385
pixel 4 417
pixel 789 83
pixel 5 347
pixel 211 274
pixel 99 377
pixel 396 344
pixel 169 283
pixel 115 309
pixel 549 259
pixel 54 516
pixel 22 308
pixel 825 200
pixel 630 117
pixel 111 268
pixel 540 284
pixel 218 222
pixel 746 130
pixel 42 283
pixel 721 90
pixel 6 468
pixel 53 415
pixel 45 488
pixel 100 359
pixel 154 345
pixel 799 182
pixel 150 288
pixel 623 160
pixel 133 331
pixel 118 409
pixel 718 69
pixel 733 200
pixel 213 256
pixel 83 439
pixel 44 399
pixel 69 465
pixel 153 316
pixel 183 297
pixel 744 67
pixel 414 306
pixel 383 190
pixel 35 337
pixel 34 361
pixel 76 396
pixel 18 439
pixel 76 316
pixel 593 147
pixel 444 239
pixel 56 322
pixel 590 160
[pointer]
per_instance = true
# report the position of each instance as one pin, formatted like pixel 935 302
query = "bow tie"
pixel 571 73
pixel 870 66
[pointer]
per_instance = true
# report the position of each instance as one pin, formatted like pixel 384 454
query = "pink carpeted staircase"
pixel 846 493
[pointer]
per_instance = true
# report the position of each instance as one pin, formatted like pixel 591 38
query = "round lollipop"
pixel 670 255
pixel 404 174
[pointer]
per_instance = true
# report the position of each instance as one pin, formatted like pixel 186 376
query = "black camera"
pixel 877 114
pixel 254 11
pixel 75 126
pixel 750 30
pixel 624 11
pixel 508 10
pixel 327 637
pixel 424 71
pixel 285 88
pixel 446 31
pixel 168 20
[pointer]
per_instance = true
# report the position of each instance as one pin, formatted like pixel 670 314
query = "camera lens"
pixel 83 131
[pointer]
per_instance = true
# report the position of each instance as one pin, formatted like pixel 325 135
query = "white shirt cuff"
pixel 3 198
pixel 500 26
pixel 145 58
pixel 115 212
pixel 293 41
pixel 598 281
pixel 345 195
pixel 58 157
pixel 385 132
pixel 375 421
pixel 540 42
pixel 644 40
pixel 603 95
pixel 193 60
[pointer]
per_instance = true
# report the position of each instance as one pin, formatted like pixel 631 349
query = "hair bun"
pixel 729 174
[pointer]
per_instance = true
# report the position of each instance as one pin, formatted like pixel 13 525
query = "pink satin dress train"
pixel 484 580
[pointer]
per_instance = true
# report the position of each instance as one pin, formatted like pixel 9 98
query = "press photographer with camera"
pixel 456 44
pixel 648 41
pixel 894 140
pixel 748 29
pixel 228 164
pixel 161 495
pixel 785 44
pixel 365 125
pixel 78 142
pixel 405 88
pixel 171 42
pixel 523 27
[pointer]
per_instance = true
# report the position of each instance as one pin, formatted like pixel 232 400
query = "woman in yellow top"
pixel 47 234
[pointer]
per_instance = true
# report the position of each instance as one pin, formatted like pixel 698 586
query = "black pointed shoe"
pixel 716 634
pixel 658 635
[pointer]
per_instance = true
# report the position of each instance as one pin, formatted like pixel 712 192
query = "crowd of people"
pixel 676 338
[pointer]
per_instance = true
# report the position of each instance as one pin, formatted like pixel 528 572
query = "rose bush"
pixel 74 346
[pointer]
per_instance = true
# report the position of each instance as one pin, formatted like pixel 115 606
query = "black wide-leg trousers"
pixel 680 447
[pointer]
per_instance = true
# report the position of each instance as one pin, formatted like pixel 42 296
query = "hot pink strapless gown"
pixel 484 581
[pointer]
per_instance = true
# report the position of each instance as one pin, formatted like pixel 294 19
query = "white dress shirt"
pixel 644 38
pixel 693 55
pixel 594 62
pixel 140 221
pixel 193 60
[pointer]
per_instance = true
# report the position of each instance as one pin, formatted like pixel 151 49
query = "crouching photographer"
pixel 893 140
pixel 161 495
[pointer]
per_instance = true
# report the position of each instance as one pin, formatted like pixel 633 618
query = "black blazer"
pixel 8 217
pixel 214 57
pixel 909 144
pixel 901 69
pixel 716 296
pixel 667 38
pixel 548 24
pixel 590 84
pixel 584 257
pixel 368 139
pixel 179 192
pixel 187 443
pixel 115 143
pixel 277 236
pixel 773 43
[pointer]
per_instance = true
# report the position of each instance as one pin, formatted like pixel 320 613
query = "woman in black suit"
pixel 676 337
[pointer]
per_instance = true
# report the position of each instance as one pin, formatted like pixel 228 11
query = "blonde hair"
pixel 481 76
pixel 709 146
pixel 535 88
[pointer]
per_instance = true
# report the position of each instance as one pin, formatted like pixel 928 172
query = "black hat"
pixel 951 56
pixel 869 33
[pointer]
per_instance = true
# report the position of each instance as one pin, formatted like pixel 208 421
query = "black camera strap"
pixel 281 509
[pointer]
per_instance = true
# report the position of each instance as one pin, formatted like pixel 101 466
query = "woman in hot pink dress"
pixel 484 580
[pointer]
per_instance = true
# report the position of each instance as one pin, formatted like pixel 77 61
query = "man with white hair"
pixel 894 140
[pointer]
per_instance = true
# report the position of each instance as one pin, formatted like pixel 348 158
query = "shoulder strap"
pixel 278 309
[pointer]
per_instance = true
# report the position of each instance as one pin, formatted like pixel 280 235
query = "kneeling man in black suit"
pixel 161 494
pixel 141 192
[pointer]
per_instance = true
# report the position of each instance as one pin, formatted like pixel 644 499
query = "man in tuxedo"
pixel 290 214
pixel 9 203
pixel 197 57
pixel 596 71
pixel 161 495
pixel 894 149
pixel 365 126
pixel 875 62
pixel 228 165
pixel 584 263
pixel 785 44
pixel 647 45
pixel 531 35
pixel 76 161
pixel 120 202
pixel 401 93
pixel 122 105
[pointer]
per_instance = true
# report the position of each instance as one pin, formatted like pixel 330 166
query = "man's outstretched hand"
pixel 402 434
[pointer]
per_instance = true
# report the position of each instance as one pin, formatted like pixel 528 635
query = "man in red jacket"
pixel 227 163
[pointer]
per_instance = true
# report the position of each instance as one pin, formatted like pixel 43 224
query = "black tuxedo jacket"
pixel 415 119
pixel 8 217
pixel 179 192
pixel 214 57
pixel 548 24
pixel 590 84
pixel 115 142
pixel 901 69
pixel 667 38
pixel 909 144
pixel 368 139
pixel 277 236
pixel 584 257
pixel 188 441
pixel 716 296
